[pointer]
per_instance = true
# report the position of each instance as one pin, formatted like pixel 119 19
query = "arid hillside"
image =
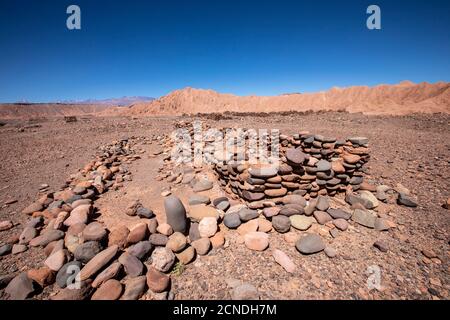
pixel 403 98
pixel 27 111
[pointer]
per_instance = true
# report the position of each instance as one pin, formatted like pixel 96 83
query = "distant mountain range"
pixel 124 101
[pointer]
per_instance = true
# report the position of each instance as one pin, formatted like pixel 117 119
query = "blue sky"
pixel 128 48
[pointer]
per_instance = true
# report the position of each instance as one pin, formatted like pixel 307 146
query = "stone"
pixel 86 251
pixel 194 234
pixel 137 233
pixel 446 204
pixel 94 231
pixel 382 224
pixel 82 293
pixel 249 226
pixel 252 196
pixel 322 203
pixel 80 202
pixel 295 156
pixel 294 199
pixel 323 165
pixel 381 245
pixel 42 276
pixel 246 214
pixel 56 260
pixel 152 225
pixel 165 229
pixel 157 281
pixel 34 207
pixel 200 211
pixel 351 158
pixel 157 239
pixel 271 211
pixel 20 288
pixel 283 260
pixel 322 217
pixel 364 218
pixel 140 249
pixel 6 225
pixel 68 272
pixel 218 240
pixel 232 220
pixel 79 215
pixel 201 245
pixel 341 224
pixel 118 236
pixel 132 265
pixel 245 291
pixel 405 200
pixel 110 272
pixel 264 225
pixel 178 242
pixel 134 288
pixel 302 223
pixel 6 279
pixel 132 208
pixel 202 185
pixel 175 214
pixel 330 252
pixel 5 249
pixel 275 192
pixel 353 199
pixel 162 259
pixel 186 256
pixel 263 171
pixel 281 223
pixel 19 248
pixel 110 290
pixel 142 212
pixel 221 203
pixel 47 237
pixel 359 140
pixel 207 227
pixel 98 262
pixel 339 214
pixel 369 196
pixel 310 244
pixel 198 199
pixel 258 241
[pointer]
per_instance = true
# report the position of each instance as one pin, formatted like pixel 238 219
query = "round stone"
pixel 86 251
pixel 281 223
pixel 157 239
pixel 271 211
pixel 177 242
pixel 232 220
pixel 246 214
pixel 257 241
pixel 94 232
pixel 302 223
pixel 186 256
pixel 56 260
pixel 312 243
pixel 323 165
pixel 341 224
pixel 137 233
pixel 207 227
pixel 157 281
pixel 295 156
pixel 140 249
pixel 202 246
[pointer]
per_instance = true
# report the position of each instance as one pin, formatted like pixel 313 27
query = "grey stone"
pixel 281 223
pixel 312 243
pixel 364 218
pixel 232 220
pixel 175 214
pixel 86 251
pixel 20 288
pixel 140 249
pixel 246 214
pixel 322 203
pixel 69 270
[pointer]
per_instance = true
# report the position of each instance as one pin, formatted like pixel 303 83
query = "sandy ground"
pixel 412 150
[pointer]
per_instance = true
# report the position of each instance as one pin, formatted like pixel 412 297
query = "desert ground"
pixel 409 151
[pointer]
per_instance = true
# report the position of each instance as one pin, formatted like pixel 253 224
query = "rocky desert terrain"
pixel 101 194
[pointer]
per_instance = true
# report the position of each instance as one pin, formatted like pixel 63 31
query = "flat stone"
pixel 47 237
pixel 294 199
pixel 175 214
pixel 322 217
pixel 202 185
pixel 405 200
pixel 359 140
pixel 43 276
pixel 283 260
pixel 132 265
pixel 86 251
pixel 157 281
pixel 162 259
pixel 246 214
pixel 311 243
pixel 34 207
pixel 382 224
pixel 249 226
pixel 381 245
pixel 138 232
pixel 84 291
pixel 353 199
pixel 339 214
pixel 134 288
pixel 323 165
pixel 252 196
pixel 258 241
pixel 157 239
pixel 67 274
pixel 275 192
pixel 271 211
pixel 281 223
pixel 79 215
pixel 364 218
pixel 19 248
pixel 199 212
pixel 232 220
pixel 6 225
pixel 94 231
pixel 322 203
pixel 110 290
pixel 201 246
pixel 302 223
pixel 198 199
pixel 341 224
pixel 295 156
pixel 263 171
pixel 369 196
pixel 20 288
pixel 112 271
pixel 118 236
pixel 330 252
pixel 98 262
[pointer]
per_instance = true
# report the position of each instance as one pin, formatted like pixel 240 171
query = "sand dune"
pixel 403 98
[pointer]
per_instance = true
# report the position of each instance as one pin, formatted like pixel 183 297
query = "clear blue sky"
pixel 243 47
